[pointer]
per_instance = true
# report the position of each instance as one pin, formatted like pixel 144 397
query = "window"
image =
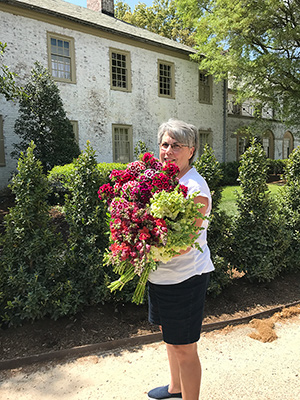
pixel 122 143
pixel 120 71
pixel 242 144
pixel 268 144
pixel 2 151
pixel 205 88
pixel 236 109
pixel 75 130
pixel 61 57
pixel 166 79
pixel 287 145
pixel 205 137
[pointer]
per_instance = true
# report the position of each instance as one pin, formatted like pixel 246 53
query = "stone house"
pixel 118 82
pixel 277 140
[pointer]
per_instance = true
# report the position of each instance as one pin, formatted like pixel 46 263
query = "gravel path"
pixel 235 367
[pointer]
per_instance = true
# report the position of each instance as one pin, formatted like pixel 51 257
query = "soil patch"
pixel 108 322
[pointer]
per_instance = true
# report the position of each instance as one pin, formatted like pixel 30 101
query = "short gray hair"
pixel 182 132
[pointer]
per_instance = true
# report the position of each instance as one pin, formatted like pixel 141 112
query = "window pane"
pixel 204 88
pixel 121 145
pixel 61 67
pixel 119 70
pixel 165 79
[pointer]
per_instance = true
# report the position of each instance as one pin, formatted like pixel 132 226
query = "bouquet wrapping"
pixel 151 219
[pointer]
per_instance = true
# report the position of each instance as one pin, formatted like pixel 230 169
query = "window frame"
pixel 242 141
pixel 57 36
pixel 2 148
pixel 202 87
pixel 268 144
pixel 208 139
pixel 130 143
pixel 172 78
pixel 128 69
pixel 288 136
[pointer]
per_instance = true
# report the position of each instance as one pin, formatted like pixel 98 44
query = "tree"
pixel 161 18
pixel 43 119
pixel 8 85
pixel 255 43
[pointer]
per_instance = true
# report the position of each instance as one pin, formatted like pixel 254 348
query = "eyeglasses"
pixel 174 146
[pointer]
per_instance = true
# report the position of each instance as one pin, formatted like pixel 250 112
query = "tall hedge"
pixel 289 209
pixel 86 217
pixel 33 283
pixel 219 236
pixel 259 241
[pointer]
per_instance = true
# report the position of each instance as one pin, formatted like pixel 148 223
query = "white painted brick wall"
pixel 91 101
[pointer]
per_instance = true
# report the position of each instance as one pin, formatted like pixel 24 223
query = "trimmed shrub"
pixel 33 283
pixel 218 235
pixel 88 238
pixel 259 241
pixel 219 239
pixel 60 179
pixel 289 209
pixel 276 167
pixel 208 166
pixel 230 172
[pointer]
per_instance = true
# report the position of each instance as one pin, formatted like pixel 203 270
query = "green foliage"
pixel 218 235
pixel 220 239
pixel 61 173
pixel 160 18
pixel 230 170
pixel 276 167
pixel 43 119
pixel 32 278
pixel 230 173
pixel 60 179
pixel 8 86
pixel 255 43
pixel 88 236
pixel 208 166
pixel 259 241
pixel 289 209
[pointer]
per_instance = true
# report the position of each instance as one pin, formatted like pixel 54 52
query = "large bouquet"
pixel 151 219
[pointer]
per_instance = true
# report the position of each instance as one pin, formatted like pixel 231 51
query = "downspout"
pixel 224 119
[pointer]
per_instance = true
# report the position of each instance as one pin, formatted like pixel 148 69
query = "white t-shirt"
pixel 194 262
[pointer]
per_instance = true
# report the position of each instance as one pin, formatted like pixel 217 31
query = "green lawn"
pixel 228 202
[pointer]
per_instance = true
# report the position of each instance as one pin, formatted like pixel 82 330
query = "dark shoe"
pixel 161 393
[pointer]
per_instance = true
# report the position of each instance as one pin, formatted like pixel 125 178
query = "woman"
pixel 177 289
